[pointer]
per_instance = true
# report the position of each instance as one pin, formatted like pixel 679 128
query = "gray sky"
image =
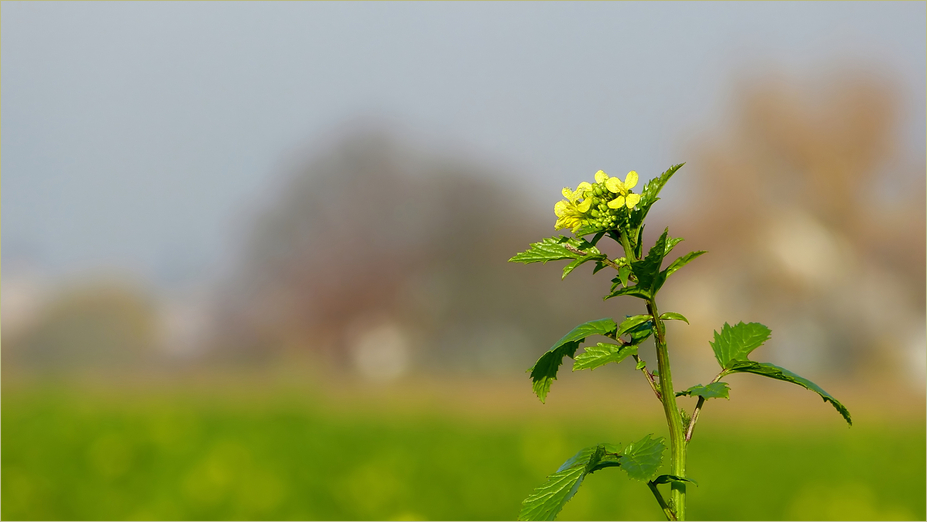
pixel 134 134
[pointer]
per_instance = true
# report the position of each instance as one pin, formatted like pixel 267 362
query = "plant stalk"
pixel 670 410
pixel 673 417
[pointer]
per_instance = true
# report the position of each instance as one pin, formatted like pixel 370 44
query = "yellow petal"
pixel 600 176
pixel 567 193
pixel 585 205
pixel 617 202
pixel 614 185
pixel 583 187
pixel 560 208
pixel 633 199
pixel 631 180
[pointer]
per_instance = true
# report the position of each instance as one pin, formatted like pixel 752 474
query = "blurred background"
pixel 254 254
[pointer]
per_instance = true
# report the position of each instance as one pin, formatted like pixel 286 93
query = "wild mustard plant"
pixel 610 208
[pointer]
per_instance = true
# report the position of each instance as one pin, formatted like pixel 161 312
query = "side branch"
pixel 653 383
pixel 698 409
pixel 666 509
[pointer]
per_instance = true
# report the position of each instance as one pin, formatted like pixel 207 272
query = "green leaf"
pixel 776 372
pixel 647 270
pixel 649 196
pixel 556 248
pixel 548 249
pixel 640 333
pixel 569 268
pixel 629 323
pixel 682 261
pixel 735 343
pixel 544 372
pixel 623 273
pixel 546 501
pixel 670 243
pixel 666 479
pixel 642 458
pixel 666 316
pixel 561 247
pixel 601 354
pixel 585 230
pixel 635 291
pixel 641 364
pixel 711 391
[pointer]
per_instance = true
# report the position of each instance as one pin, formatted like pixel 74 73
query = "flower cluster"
pixel 598 205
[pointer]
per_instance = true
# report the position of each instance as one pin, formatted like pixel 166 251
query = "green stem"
pixel 673 417
pixel 670 410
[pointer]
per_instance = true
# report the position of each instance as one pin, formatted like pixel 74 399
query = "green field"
pixel 187 455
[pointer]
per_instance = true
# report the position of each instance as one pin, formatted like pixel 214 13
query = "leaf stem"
pixel 660 500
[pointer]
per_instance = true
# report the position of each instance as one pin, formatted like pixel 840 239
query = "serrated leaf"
pixel 647 270
pixel 666 479
pixel 579 261
pixel 546 501
pixel 556 248
pixel 666 316
pixel 649 196
pixel 569 268
pixel 779 373
pixel 735 343
pixel 642 458
pixel 670 243
pixel 547 249
pixel 712 390
pixel 682 261
pixel 544 372
pixel 601 354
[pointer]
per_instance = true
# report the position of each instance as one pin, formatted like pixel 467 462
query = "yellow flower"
pixel 625 197
pixel 570 212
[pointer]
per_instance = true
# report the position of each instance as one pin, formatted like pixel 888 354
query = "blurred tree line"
pixel 379 259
